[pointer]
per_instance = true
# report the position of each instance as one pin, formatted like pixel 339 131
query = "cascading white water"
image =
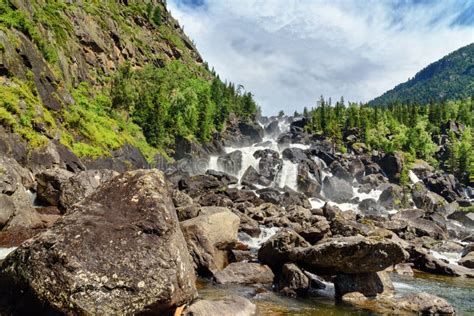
pixel 4 252
pixel 254 243
pixel 287 175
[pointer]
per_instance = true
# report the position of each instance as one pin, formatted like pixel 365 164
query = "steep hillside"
pixel 451 77
pixel 96 75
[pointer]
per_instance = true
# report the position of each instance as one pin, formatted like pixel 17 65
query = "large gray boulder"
pixel 245 273
pixel 209 237
pixel 337 190
pixel 118 251
pixel 349 255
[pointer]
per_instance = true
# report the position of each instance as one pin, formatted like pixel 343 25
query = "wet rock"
pixel 291 197
pixel 369 284
pixel 427 200
pixel 225 178
pixel 247 224
pixel 209 236
pixel 467 219
pixel 239 196
pixel 404 269
pixel 372 210
pixel 392 198
pixel 244 273
pixel 341 172
pixel 392 165
pixel 181 199
pixel 197 185
pixel 228 306
pixel 414 303
pixel 357 168
pixel 445 185
pixel 417 225
pixel 373 180
pixel 424 261
pixel 315 229
pixel 239 134
pixel 113 243
pixel 272 128
pixel 467 260
pixel 276 251
pixel 293 281
pixel 50 183
pixel 349 255
pixel 269 195
pixel 231 162
pixel 373 168
pixel 295 155
pixel 421 169
pixel 269 165
pixel 251 176
pixel 337 190
pixel 306 185
pixel 81 185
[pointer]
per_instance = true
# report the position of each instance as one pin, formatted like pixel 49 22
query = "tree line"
pixel 178 100
pixel 420 131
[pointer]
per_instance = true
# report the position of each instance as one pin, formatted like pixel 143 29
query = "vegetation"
pixel 415 130
pixel 450 78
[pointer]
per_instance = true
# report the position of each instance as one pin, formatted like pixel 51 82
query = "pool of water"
pixel 457 291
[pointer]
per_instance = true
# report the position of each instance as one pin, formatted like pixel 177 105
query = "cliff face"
pixel 58 59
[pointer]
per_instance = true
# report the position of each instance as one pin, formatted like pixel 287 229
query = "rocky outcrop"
pixel 293 281
pixel 123 159
pixel 370 284
pixel 445 185
pixel 349 255
pixel 392 165
pixel 104 255
pixel 245 273
pixel 467 260
pixel 209 236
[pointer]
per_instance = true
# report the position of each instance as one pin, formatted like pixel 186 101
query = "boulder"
pixel 295 155
pixel 357 168
pixel 103 256
pixel 445 185
pixel 276 251
pixel 181 199
pixel 231 162
pixel 197 185
pixel 370 284
pixel 269 165
pixel 272 128
pixel 348 255
pixel 269 195
pixel 421 169
pixel 314 229
pixel 247 224
pixel 50 183
pixel 392 165
pixel 245 273
pixel 467 260
pixel 414 303
pixel 225 178
pixel 291 197
pixel 293 282
pixel 306 185
pixel 424 261
pixel 372 210
pixel 417 224
pixel 228 306
pixel 337 190
pixel 209 236
pixel 81 185
pixel 392 198
pixel 127 157
pixel 427 200
pixel 251 176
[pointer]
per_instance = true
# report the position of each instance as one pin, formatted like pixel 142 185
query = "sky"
pixel 290 52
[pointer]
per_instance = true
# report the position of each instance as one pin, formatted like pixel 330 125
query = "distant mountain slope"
pixel 451 77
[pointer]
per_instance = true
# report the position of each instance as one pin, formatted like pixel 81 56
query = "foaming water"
pixel 4 252
pixel 413 177
pixel 287 175
pixel 451 257
pixel 254 243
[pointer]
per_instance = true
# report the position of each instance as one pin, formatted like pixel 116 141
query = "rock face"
pixel 293 282
pixel 445 185
pixel 468 260
pixel 81 185
pixel 349 255
pixel 50 184
pixel 229 306
pixel 105 256
pixel 209 236
pixel 337 190
pixel 245 273
pixel 392 165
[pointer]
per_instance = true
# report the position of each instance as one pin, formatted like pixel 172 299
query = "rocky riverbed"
pixel 268 216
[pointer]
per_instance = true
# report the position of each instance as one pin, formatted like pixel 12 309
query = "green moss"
pixel 7 119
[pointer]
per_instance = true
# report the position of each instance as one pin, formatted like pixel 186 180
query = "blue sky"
pixel 289 52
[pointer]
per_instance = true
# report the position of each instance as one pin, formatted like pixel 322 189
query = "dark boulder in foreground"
pixel 118 251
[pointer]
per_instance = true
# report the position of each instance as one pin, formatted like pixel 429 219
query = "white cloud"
pixel 288 52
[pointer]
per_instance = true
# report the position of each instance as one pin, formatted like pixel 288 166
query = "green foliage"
pixel 173 100
pixel 450 78
pixel 401 127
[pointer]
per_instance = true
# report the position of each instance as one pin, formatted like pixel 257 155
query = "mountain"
pixel 451 77
pixel 98 75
